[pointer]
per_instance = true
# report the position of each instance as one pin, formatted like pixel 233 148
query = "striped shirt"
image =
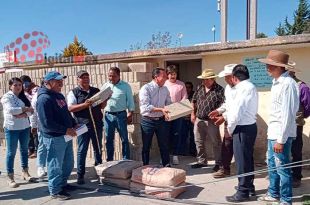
pixel 284 105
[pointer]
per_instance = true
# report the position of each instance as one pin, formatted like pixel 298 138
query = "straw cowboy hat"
pixel 227 70
pixel 207 74
pixel 278 58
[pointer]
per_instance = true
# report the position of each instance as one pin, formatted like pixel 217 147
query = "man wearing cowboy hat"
pixel 219 116
pixel 208 97
pixel 281 127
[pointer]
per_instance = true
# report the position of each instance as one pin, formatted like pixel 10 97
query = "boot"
pixel 26 176
pixel 11 181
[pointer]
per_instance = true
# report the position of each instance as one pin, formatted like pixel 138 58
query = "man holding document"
pixel 79 103
pixel 56 122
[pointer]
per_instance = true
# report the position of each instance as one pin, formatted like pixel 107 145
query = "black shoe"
pixel 198 165
pixel 251 192
pixel 69 188
pixel 236 199
pixel 61 196
pixel 80 180
pixel 216 168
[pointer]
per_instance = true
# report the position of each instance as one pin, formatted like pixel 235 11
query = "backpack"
pixel 305 99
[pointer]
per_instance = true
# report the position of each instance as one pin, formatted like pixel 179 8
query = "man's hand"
pixel 166 113
pixel 193 118
pixel 88 103
pixel 71 132
pixel 34 131
pixel 219 120
pixel 278 148
pixel 28 109
pixel 22 115
pixel 129 118
pixel 213 114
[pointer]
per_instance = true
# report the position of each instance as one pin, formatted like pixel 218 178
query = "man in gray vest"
pixel 79 104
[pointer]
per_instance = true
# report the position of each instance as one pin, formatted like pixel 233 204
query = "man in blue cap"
pixel 56 122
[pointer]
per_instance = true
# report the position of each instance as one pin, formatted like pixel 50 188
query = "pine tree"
pixel 301 17
pixel 76 49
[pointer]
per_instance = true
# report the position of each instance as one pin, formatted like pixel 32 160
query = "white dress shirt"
pixel 284 105
pixel 12 105
pixel 243 106
pixel 34 118
pixel 151 95
pixel 229 95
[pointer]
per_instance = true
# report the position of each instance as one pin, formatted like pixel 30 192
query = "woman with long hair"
pixel 16 112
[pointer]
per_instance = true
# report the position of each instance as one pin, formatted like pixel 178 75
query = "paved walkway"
pixel 92 193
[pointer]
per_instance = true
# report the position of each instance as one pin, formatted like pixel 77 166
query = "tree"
pixel 159 40
pixel 261 35
pixel 301 17
pixel 76 48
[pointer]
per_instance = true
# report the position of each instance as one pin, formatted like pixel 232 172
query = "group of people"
pixel 32 110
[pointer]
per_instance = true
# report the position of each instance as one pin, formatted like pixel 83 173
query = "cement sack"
pixel 120 183
pixel 150 190
pixel 158 177
pixel 117 169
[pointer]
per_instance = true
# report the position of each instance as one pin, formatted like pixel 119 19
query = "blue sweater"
pixel 53 113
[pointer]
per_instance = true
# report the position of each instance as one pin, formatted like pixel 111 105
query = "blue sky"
pixel 109 26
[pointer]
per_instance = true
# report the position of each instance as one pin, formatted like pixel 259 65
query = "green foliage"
pixel 300 24
pixel 261 35
pixel 75 49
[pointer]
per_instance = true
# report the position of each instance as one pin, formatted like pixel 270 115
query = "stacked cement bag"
pixel 150 179
pixel 117 173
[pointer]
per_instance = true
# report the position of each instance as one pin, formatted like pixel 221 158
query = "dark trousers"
pixel 189 130
pixel 297 153
pixel 177 138
pixel 83 144
pixel 33 143
pixel 227 151
pixel 161 129
pixel 243 145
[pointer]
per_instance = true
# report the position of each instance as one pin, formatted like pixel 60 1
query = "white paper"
pixel 179 109
pixel 104 93
pixel 81 129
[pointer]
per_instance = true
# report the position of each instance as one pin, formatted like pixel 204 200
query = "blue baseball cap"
pixel 54 75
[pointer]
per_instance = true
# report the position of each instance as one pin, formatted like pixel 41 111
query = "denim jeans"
pixel 60 162
pixel 178 136
pixel 297 145
pixel 83 143
pixel 12 138
pixel 33 143
pixel 118 121
pixel 42 152
pixel 161 129
pixel 280 179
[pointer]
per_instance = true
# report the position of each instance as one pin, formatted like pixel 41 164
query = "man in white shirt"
pixel 281 127
pixel 241 125
pixel 219 116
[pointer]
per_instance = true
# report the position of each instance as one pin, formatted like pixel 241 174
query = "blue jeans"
pixel 12 138
pixel 178 135
pixel 161 129
pixel 42 152
pixel 112 121
pixel 60 162
pixel 280 179
pixel 83 143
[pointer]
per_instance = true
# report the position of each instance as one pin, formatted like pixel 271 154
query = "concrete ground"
pixel 92 193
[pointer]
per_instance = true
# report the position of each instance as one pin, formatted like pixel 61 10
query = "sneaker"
pixel 80 180
pixel 268 198
pixel 175 160
pixel 221 173
pixel 41 172
pixel 61 196
pixel 216 168
pixel 198 165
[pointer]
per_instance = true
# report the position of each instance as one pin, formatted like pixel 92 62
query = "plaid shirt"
pixel 208 101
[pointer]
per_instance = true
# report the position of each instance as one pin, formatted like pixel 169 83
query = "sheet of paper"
pixel 179 109
pixel 81 129
pixel 104 93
